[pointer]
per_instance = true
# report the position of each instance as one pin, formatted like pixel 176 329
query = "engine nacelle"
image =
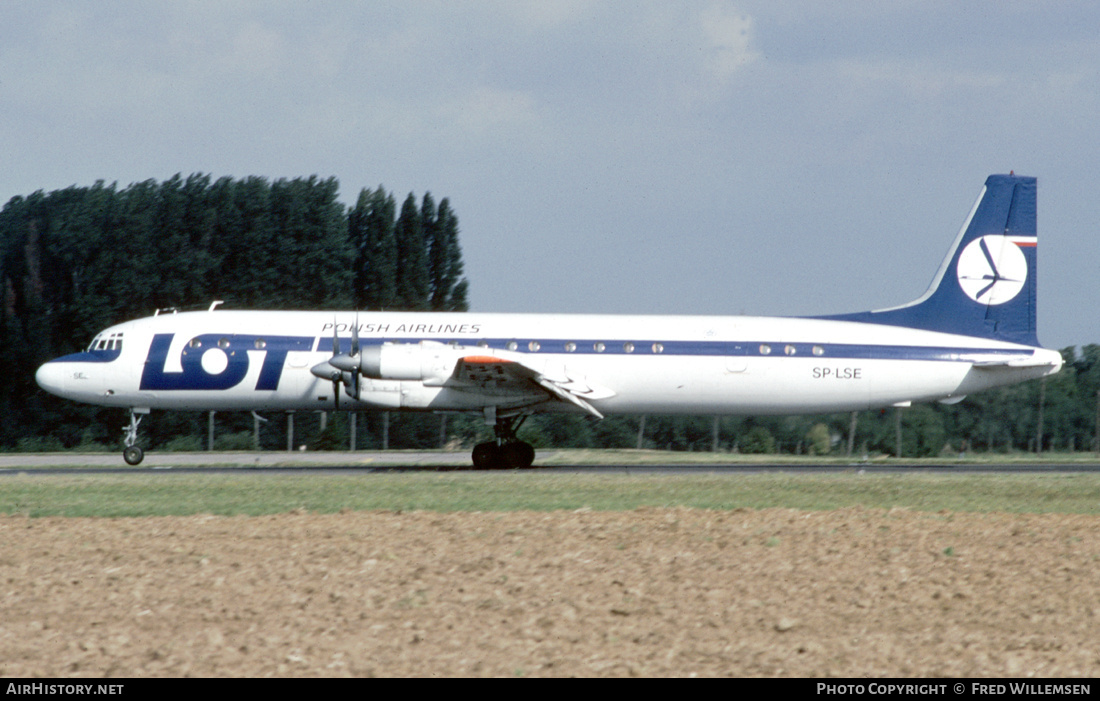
pixel 428 362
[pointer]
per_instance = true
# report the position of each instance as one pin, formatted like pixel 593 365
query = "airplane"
pixel 973 329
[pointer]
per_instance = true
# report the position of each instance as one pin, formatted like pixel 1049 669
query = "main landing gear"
pixel 133 454
pixel 507 451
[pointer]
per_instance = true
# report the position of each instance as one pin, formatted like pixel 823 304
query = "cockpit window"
pixel 106 342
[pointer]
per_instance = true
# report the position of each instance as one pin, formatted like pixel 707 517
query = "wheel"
pixel 486 456
pixel 517 455
pixel 133 455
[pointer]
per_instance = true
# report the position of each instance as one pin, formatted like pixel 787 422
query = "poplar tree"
pixel 412 258
pixel 449 288
pixel 371 232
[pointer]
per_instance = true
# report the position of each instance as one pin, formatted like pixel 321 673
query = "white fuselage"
pixel 257 360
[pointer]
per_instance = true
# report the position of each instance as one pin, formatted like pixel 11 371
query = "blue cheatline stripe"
pixel 824 351
pixel 97 356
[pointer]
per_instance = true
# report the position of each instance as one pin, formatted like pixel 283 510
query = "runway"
pixel 545 461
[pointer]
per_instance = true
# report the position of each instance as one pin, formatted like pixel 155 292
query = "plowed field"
pixel 651 592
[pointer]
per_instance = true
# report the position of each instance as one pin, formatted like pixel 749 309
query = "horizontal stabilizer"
pixel 1018 361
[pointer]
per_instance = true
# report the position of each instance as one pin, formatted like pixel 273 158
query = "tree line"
pixel 1056 414
pixel 1060 413
pixel 77 260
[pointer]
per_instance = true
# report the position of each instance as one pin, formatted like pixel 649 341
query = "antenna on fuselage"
pixel 214 304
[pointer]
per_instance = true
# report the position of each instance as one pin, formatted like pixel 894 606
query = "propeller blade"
pixel 342 368
pixel 355 338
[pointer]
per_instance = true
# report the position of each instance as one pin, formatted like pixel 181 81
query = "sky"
pixel 642 157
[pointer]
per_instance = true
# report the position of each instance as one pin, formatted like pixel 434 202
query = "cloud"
pixel 256 49
pixel 541 14
pixel 485 109
pixel 919 80
pixel 669 130
pixel 728 37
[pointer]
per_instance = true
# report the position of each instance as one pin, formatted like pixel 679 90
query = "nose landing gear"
pixel 132 453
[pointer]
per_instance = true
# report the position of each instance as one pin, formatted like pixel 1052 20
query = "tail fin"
pixel 986 285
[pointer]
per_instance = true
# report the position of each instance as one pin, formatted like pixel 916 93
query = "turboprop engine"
pixel 429 362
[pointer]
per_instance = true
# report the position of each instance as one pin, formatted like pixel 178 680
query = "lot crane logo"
pixel 992 270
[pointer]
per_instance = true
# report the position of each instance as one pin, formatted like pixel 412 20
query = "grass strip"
pixel 117 495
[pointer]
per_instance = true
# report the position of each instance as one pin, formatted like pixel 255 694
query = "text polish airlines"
pixel 972 330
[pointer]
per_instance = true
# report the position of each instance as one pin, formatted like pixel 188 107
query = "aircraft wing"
pixel 493 373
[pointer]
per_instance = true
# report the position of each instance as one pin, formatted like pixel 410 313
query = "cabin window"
pixel 818 350
pixel 570 347
pixel 512 345
pixel 789 350
pixel 533 346
pixel 223 343
pixel 195 343
pixel 260 344
pixel 658 348
pixel 765 349
pixel 482 344
pixel 628 347
pixel 600 347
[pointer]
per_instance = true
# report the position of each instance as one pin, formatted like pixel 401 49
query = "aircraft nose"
pixel 52 378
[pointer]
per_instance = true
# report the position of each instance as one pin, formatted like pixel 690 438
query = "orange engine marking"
pixel 484 360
